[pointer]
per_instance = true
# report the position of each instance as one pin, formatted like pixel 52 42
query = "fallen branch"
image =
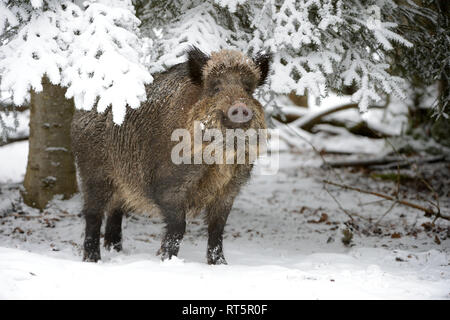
pixel 428 211
pixel 10 107
pixel 362 162
pixel 28 217
pixel 290 113
pixel 393 162
pixel 12 140
pixel 405 163
pixel 310 120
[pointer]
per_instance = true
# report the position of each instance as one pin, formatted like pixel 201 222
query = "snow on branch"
pixel 198 25
pixel 98 53
pixel 328 44
pixel 104 62
pixel 94 51
pixel 230 4
pixel 38 49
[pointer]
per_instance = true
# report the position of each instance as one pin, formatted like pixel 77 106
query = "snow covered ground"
pixel 283 241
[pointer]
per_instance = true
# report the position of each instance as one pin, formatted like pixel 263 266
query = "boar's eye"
pixel 215 87
pixel 248 87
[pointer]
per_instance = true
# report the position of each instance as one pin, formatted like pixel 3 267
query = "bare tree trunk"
pixel 51 168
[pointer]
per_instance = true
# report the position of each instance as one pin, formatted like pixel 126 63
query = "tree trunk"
pixel 301 101
pixel 51 167
pixel 440 130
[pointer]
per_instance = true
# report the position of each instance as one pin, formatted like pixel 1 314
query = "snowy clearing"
pixel 354 274
pixel 275 245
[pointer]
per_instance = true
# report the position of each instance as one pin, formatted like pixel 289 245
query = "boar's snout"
pixel 239 113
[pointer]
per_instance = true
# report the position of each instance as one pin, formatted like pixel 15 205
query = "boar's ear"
pixel 262 61
pixel 196 61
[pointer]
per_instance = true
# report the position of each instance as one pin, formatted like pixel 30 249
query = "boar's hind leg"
pixel 216 218
pixel 175 228
pixel 95 200
pixel 113 230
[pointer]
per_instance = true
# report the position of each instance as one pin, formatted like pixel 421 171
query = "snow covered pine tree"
pixel 50 45
pixel 425 23
pixel 318 45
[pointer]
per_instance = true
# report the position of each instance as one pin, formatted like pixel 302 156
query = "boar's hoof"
pixel 217 261
pixel 92 256
pixel 91 250
pixel 165 254
pixel 216 258
pixel 110 245
pixel 170 246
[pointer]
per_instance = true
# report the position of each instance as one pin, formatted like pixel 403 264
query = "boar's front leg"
pixel 216 218
pixel 175 220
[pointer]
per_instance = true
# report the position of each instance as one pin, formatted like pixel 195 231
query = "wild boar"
pixel 129 167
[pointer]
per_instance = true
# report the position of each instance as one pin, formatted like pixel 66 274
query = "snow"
pixel 230 4
pixel 195 26
pixel 13 162
pixel 357 274
pixel 275 247
pixel 14 126
pixel 351 144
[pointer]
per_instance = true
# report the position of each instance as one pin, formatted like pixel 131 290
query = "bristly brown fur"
pixel 129 167
pixel 226 60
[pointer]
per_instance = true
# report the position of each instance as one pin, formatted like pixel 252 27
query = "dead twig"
pixel 425 182
pixel 386 213
pixel 17 215
pixel 324 163
pixel 338 203
pixel 428 211
pixel 372 202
